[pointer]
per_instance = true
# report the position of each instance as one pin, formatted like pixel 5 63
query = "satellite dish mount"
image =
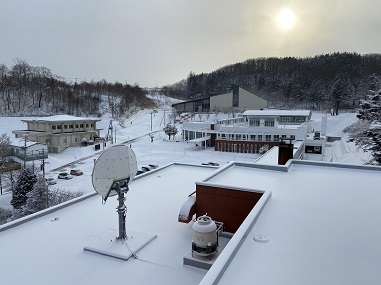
pixel 113 171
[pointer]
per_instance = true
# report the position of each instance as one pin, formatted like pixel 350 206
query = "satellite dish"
pixel 113 170
pixel 116 164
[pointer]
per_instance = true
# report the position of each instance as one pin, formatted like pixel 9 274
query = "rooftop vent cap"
pixel 204 224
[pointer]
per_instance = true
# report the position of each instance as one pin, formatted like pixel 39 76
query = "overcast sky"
pixel 158 42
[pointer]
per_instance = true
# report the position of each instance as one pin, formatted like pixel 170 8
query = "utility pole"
pixel 24 151
pixel 151 120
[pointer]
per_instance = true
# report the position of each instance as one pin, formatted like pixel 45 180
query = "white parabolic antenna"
pixel 113 170
pixel 118 163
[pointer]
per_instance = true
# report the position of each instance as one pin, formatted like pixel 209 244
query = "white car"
pixel 50 181
pixel 64 175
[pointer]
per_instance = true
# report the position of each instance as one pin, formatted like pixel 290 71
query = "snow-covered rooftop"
pixel 314 232
pixel 304 113
pixel 51 247
pixel 60 118
pixel 325 232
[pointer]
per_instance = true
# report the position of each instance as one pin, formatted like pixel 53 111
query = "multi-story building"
pixel 237 100
pixel 255 131
pixel 59 132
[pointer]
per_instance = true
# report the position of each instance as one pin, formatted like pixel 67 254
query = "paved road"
pixel 100 151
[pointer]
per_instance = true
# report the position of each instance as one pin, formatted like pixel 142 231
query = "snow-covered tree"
pixel 342 93
pixel 24 185
pixel 5 146
pixel 170 130
pixel 370 108
pixel 370 136
pixel 37 198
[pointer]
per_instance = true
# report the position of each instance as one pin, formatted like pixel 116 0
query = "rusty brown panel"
pixel 225 205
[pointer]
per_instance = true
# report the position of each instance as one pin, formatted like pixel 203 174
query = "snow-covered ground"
pixel 161 151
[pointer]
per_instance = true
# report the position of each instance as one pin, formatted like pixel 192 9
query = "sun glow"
pixel 286 19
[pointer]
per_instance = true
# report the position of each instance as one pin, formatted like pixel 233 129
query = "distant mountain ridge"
pixel 336 80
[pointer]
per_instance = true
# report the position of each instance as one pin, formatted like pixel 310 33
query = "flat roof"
pixel 271 112
pixel 51 247
pixel 315 223
pixel 61 118
pixel 320 226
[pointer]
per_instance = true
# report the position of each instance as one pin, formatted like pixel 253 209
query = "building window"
pixel 70 126
pixel 92 125
pixel 81 125
pixel 47 141
pixel 223 136
pixel 254 122
pixel 53 127
pixel 238 137
pixel 285 119
pixel 252 137
pixel 65 127
pixel 276 138
pixel 76 139
pixel 59 127
pixel 269 123
pixel 235 99
pixel 64 141
pixel 87 125
pixel 268 138
pixel 259 138
pixel 313 149
pixel 76 126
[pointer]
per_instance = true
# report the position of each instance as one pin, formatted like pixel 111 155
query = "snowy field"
pixel 161 151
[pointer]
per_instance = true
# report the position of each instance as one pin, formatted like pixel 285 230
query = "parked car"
pixel 152 166
pixel 210 163
pixel 50 181
pixel 64 175
pixel 145 169
pixel 76 172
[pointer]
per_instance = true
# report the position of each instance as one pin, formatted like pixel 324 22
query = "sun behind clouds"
pixel 286 19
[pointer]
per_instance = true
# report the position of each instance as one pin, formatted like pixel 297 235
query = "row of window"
pixel 241 148
pixel 257 122
pixel 47 141
pixel 259 138
pixel 298 120
pixel 59 127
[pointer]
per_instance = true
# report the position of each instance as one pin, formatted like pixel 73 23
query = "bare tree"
pixel 5 146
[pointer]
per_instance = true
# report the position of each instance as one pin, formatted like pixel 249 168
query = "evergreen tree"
pixel 37 198
pixel 342 92
pixel 370 137
pixel 24 185
pixel 370 108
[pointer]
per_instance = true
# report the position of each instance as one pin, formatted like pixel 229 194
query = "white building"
pixel 59 132
pixel 258 130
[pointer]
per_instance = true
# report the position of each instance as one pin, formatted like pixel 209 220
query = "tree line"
pixel 323 82
pixel 35 91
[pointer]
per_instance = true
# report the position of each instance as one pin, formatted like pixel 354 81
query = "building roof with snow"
pixel 315 223
pixel 272 113
pixel 61 118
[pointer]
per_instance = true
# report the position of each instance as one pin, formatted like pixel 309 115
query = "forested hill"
pixel 34 91
pixel 328 81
